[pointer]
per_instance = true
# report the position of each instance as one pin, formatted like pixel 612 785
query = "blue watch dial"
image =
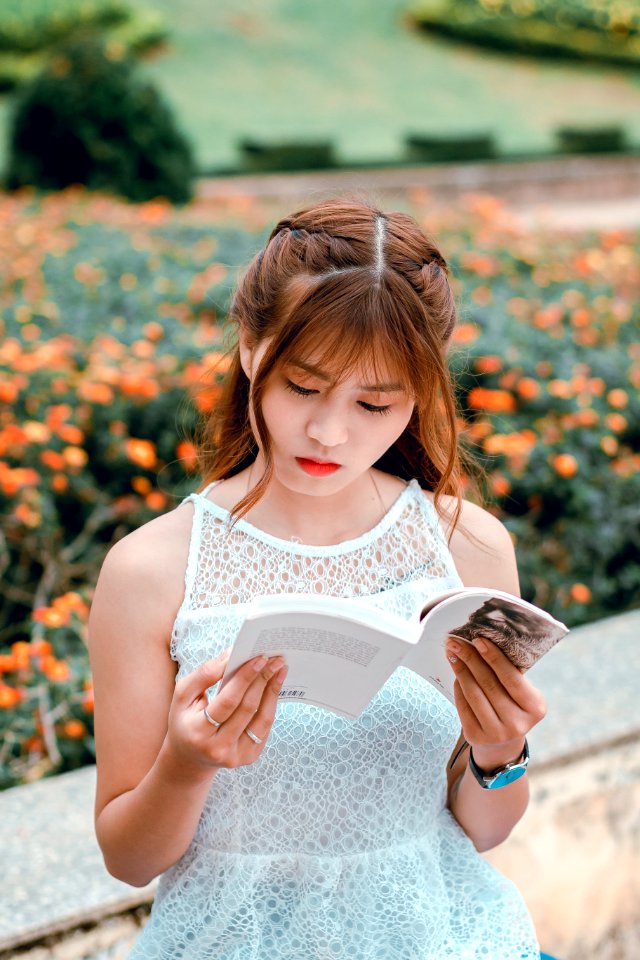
pixel 503 779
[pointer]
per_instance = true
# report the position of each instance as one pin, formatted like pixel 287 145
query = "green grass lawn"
pixel 354 73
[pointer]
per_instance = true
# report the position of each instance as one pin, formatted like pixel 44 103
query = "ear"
pixel 246 353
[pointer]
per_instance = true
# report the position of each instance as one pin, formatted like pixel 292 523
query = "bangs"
pixel 348 324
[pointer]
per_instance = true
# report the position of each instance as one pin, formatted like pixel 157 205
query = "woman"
pixel 331 466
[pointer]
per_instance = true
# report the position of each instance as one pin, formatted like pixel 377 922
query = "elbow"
pixel 127 873
pixel 485 843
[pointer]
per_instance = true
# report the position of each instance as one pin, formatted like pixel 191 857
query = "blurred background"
pixel 146 149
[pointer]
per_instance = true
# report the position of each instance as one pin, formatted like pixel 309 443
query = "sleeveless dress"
pixel 336 844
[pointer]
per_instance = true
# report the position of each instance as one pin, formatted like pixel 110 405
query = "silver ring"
pixel 214 723
pixel 252 736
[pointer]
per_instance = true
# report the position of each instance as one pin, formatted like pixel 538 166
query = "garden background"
pixel 112 332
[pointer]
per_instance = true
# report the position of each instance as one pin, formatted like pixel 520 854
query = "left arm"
pixel 497 705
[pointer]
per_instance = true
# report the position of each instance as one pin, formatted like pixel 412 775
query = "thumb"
pixel 195 684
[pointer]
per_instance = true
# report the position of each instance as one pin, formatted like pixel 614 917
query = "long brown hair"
pixel 347 284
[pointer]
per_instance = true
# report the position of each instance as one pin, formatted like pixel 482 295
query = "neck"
pixel 319 520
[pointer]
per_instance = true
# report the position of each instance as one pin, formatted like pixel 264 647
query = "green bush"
pixel 29 31
pixel 439 149
pixel 590 139
pixel 87 119
pixel 291 155
pixel 606 30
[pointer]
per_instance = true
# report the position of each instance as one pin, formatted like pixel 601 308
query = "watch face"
pixel 507 776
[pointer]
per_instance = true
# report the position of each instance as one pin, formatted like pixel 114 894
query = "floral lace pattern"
pixel 336 843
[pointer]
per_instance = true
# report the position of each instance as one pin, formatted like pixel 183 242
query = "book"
pixel 341 651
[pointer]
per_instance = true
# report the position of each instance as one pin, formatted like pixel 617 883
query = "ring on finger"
pixel 252 736
pixel 209 719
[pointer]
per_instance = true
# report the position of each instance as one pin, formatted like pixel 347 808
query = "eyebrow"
pixel 390 387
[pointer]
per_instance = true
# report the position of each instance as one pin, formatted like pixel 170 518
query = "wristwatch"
pixel 501 776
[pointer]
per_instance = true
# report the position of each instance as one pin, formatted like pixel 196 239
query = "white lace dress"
pixel 336 844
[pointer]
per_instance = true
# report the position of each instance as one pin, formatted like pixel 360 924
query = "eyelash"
pixel 304 392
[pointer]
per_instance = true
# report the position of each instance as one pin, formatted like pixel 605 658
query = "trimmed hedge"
pixel 607 30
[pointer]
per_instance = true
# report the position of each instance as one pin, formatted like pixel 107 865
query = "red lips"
pixel 317 468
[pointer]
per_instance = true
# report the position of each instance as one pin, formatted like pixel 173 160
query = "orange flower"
pixel 618 398
pixel 74 729
pixel 565 464
pixel 153 331
pixel 27 515
pixel 50 616
pixel 9 697
pixel 141 485
pixel 21 652
pixel 59 483
pixel 156 500
pixel 141 452
pixel 96 393
pixel 561 389
pixel 187 453
pixel 75 457
pixel 7 663
pixel 70 434
pixel 52 459
pixel 41 648
pixel 500 485
pixel 206 398
pixel 609 445
pixel 616 422
pixel 465 333
pixel 528 388
pixel 56 670
pixel 580 593
pixel 8 391
pixel 488 364
pixel 495 401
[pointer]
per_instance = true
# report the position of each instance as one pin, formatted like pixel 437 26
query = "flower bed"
pixel 111 326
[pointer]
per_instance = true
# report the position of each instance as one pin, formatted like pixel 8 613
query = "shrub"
pixel 589 29
pixel 87 119
pixel 438 149
pixel 289 155
pixel 29 30
pixel 590 139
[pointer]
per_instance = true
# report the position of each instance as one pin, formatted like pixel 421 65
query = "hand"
pixel 248 701
pixel 496 704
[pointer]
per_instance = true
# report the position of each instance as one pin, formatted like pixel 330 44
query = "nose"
pixel 327 427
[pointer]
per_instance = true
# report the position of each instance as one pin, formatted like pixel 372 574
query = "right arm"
pixel 156 754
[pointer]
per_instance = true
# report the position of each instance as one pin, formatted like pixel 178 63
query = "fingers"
pixel 191 687
pixel 237 713
pixel 495 701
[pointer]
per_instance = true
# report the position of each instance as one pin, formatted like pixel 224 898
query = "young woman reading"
pixel 331 465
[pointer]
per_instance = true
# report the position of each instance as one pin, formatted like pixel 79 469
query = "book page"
pixel 333 663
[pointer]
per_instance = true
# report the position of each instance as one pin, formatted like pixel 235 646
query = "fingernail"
pixel 259 663
pixel 275 664
pixel 480 645
pixel 282 674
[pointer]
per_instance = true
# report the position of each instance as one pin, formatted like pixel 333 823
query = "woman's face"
pixel 326 434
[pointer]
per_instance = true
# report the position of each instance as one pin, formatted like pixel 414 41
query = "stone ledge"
pixel 54 880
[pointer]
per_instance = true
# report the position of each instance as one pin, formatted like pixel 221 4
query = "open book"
pixel 340 652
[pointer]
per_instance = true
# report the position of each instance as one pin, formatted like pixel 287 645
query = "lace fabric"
pixel 336 843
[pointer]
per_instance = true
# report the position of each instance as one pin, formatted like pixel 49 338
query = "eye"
pixel 372 408
pixel 298 390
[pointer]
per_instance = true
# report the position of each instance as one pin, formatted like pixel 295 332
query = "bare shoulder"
pixel 480 544
pixel 147 567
